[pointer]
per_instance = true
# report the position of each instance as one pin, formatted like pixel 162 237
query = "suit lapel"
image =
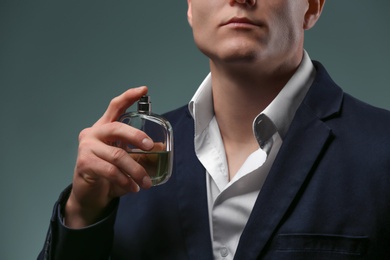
pixel 291 168
pixel 192 194
pixel 302 147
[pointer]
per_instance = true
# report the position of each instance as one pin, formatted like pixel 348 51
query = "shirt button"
pixel 224 251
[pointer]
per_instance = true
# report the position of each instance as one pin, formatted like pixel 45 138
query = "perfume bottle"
pixel 158 161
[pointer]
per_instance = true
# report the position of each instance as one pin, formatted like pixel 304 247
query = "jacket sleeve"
pixel 92 242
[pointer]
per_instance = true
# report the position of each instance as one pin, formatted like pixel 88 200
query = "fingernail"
pixel 146 182
pixel 136 188
pixel 147 143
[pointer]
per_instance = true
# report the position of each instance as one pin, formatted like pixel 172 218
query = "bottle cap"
pixel 144 104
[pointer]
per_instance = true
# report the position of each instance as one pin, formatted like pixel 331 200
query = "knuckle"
pixel 85 146
pixel 114 103
pixel 83 133
pixel 117 155
pixel 83 163
pixel 110 171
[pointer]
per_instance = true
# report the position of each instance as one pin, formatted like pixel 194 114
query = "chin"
pixel 232 56
pixel 238 56
pixel 238 50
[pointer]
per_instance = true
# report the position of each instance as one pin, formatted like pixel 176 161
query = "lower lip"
pixel 241 25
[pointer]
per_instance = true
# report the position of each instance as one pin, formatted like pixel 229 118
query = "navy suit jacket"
pixel 327 195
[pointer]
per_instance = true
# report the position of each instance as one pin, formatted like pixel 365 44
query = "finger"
pixel 122 161
pixel 117 131
pixel 93 170
pixel 119 104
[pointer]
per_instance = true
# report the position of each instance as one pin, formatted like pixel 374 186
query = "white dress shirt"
pixel 230 202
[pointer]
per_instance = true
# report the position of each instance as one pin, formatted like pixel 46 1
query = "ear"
pixel 313 13
pixel 189 12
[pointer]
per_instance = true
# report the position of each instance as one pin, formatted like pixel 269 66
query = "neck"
pixel 239 95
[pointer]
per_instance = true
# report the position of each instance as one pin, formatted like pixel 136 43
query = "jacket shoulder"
pixel 178 116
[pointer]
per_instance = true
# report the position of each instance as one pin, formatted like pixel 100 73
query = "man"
pixel 272 159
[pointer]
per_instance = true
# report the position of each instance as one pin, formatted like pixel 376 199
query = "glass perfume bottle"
pixel 158 161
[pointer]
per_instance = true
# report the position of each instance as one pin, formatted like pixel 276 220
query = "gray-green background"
pixel 62 61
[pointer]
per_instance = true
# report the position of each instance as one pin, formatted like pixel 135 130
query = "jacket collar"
pixel 325 97
pixel 307 138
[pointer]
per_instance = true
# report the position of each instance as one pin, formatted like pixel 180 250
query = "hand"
pixel 104 172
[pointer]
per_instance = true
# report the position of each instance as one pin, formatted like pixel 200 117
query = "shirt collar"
pixel 201 105
pixel 280 111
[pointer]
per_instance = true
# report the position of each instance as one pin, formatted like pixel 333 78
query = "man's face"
pixel 270 31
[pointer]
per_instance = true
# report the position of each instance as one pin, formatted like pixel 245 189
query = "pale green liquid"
pixel 156 164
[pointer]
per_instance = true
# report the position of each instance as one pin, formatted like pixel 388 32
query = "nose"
pixel 248 2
